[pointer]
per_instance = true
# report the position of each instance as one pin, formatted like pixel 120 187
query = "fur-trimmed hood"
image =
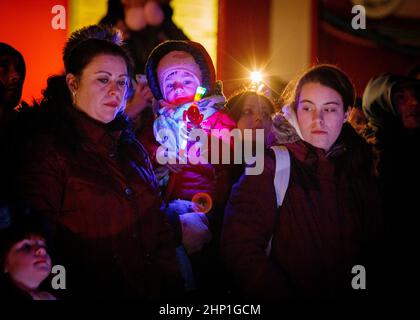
pixel 282 131
pixel 197 51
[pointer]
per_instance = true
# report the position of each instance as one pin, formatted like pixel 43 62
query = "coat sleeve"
pixel 249 220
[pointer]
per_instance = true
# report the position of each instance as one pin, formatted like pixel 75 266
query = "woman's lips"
pixel 112 104
pixel 42 261
pixel 319 132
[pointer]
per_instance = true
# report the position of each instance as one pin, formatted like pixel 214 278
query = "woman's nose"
pixel 318 116
pixel 114 89
pixel 40 251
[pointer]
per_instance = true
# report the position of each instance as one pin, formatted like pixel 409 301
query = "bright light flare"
pixel 256 76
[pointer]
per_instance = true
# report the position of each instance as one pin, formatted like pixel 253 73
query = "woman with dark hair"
pixel 299 234
pixel 251 110
pixel 93 179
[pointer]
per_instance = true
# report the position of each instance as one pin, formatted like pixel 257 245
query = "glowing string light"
pixel 199 93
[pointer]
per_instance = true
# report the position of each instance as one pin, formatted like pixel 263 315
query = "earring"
pixel 74 97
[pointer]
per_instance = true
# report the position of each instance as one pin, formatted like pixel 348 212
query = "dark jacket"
pixel 95 182
pixel 327 224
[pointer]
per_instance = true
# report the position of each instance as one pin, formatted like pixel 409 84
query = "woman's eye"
pixel 187 82
pixel 123 83
pixel 169 86
pixel 307 108
pixel 330 109
pixel 26 247
pixel 103 80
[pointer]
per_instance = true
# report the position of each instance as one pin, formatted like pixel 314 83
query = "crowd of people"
pixel 82 185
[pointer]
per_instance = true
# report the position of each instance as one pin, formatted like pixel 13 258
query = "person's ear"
pixel 347 114
pixel 72 83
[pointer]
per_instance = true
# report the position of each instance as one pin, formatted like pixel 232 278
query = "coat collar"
pixel 316 159
pixel 94 132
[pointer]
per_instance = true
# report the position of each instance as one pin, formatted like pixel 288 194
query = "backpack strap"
pixel 282 175
pixel 281 179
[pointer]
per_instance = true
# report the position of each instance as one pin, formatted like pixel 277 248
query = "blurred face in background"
pixel 320 114
pixel 255 114
pixel 406 101
pixel 101 90
pixel 11 81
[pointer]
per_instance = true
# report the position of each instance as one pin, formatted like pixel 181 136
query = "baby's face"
pixel 179 87
pixel 28 262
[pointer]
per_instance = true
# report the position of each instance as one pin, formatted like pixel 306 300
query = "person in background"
pixel 250 110
pixel 12 77
pixel 145 24
pixel 24 255
pixel 391 104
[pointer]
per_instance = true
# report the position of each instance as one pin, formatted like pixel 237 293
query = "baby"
pixel 175 69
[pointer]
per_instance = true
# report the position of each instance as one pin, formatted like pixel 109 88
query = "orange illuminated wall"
pixel 26 25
